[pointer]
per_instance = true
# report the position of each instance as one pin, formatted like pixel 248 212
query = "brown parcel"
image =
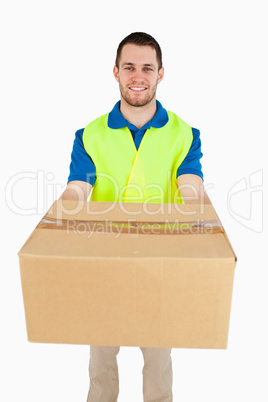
pixel 87 279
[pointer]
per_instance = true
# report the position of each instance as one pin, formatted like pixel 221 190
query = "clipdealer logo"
pixel 30 193
pixel 245 201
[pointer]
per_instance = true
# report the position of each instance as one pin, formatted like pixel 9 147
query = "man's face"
pixel 138 74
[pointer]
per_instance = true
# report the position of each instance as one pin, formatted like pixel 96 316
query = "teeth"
pixel 137 89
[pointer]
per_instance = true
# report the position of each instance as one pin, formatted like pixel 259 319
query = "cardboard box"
pixel 131 274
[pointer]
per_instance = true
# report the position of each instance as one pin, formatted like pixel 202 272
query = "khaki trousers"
pixel 104 381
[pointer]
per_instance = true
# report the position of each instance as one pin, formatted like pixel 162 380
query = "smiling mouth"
pixel 137 89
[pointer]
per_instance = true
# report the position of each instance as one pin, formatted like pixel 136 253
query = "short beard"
pixel 137 103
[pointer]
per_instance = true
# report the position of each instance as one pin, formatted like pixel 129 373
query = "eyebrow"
pixel 132 64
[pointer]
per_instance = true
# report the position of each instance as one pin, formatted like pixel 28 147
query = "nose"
pixel 138 76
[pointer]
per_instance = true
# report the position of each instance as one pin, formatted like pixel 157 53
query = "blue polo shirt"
pixel 82 166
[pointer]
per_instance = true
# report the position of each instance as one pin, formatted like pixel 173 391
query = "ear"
pixel 116 72
pixel 160 75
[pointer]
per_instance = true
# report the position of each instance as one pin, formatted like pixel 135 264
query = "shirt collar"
pixel 116 120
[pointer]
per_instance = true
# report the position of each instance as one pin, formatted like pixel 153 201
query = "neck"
pixel 138 115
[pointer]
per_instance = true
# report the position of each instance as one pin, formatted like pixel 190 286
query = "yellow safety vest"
pixel 125 174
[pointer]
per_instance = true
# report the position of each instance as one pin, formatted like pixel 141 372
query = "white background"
pixel 56 76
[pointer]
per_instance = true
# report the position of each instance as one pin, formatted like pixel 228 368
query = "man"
pixel 138 152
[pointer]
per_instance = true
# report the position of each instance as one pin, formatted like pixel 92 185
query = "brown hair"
pixel 140 39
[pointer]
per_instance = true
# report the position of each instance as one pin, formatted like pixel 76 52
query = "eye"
pixel 148 69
